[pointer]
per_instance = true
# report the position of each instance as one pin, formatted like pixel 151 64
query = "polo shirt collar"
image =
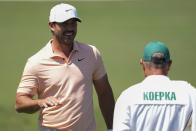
pixel 53 54
pixel 157 78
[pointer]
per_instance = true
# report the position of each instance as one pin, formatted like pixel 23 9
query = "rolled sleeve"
pixel 29 81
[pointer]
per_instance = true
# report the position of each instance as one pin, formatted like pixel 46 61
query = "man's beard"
pixel 63 38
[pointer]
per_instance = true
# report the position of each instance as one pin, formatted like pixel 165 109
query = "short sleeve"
pixel 99 71
pixel 29 82
pixel 122 116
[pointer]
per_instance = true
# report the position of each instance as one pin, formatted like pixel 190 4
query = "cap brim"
pixel 77 19
pixel 63 20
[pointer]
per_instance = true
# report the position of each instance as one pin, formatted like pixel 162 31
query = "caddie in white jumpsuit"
pixel 157 103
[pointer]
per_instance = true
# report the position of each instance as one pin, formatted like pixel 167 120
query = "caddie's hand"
pixel 48 102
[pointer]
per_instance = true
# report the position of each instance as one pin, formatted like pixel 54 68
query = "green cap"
pixel 156 47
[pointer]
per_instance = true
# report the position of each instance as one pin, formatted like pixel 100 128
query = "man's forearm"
pixel 106 99
pixel 106 103
pixel 25 104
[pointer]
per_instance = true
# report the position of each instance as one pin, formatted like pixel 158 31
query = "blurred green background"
pixel 120 29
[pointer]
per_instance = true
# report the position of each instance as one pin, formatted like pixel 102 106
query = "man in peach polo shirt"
pixel 62 75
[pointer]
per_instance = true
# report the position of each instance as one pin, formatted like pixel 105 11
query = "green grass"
pixel 119 29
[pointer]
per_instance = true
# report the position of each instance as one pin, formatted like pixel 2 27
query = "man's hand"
pixel 48 102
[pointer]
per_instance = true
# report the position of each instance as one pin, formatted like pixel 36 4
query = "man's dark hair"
pixel 157 61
